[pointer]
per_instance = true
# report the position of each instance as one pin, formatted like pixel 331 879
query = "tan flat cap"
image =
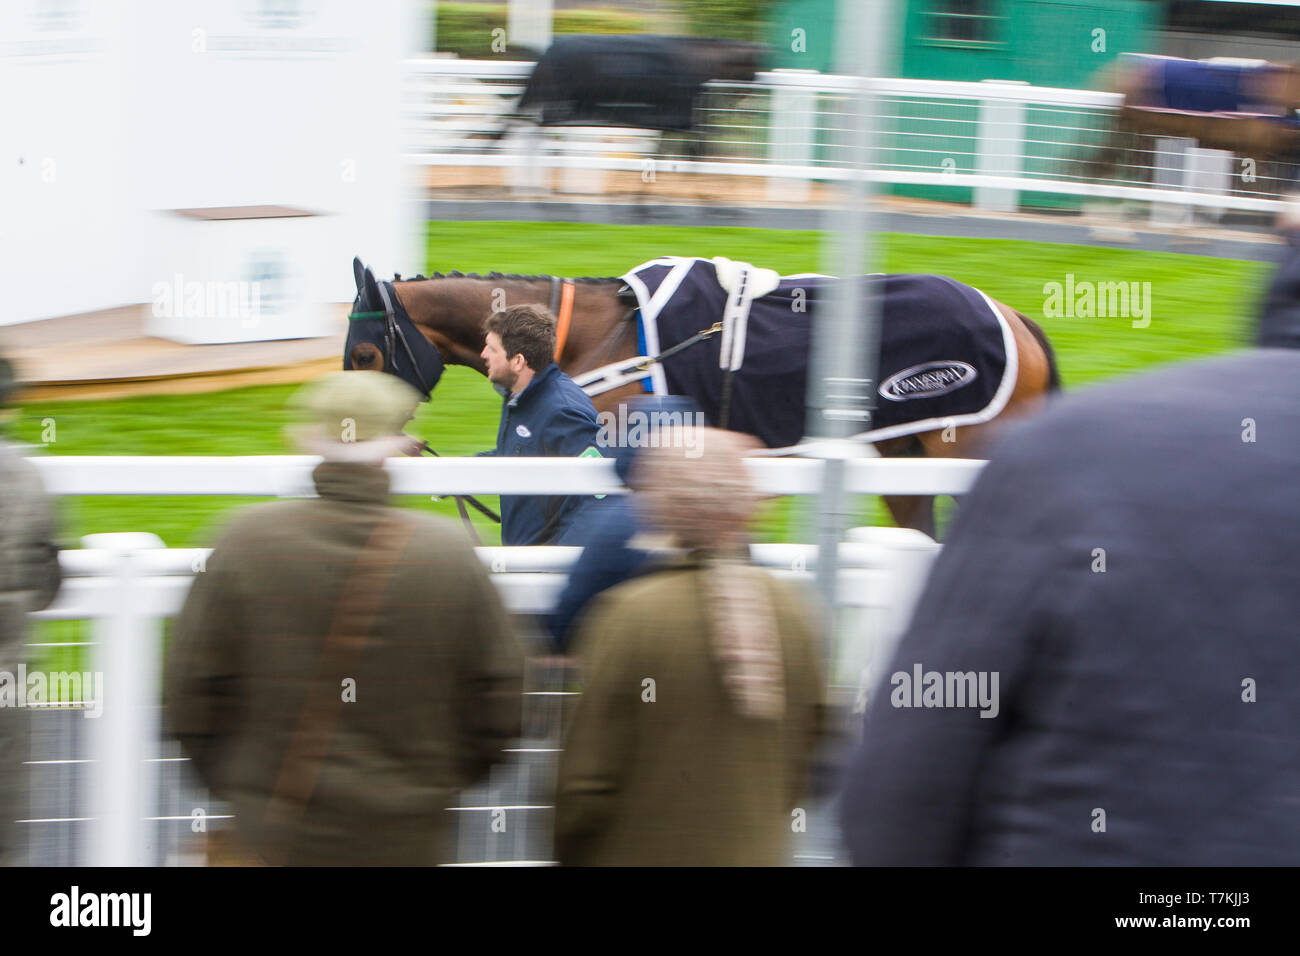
pixel 356 406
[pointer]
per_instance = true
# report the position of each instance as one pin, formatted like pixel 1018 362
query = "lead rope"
pixel 461 501
pixel 469 525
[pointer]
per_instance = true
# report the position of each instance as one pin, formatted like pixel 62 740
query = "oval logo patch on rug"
pixel 927 380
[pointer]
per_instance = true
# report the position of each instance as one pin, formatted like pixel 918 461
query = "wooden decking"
pixel 108 355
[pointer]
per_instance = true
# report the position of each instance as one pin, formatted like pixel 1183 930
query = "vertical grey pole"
pixel 841 380
pixel 529 23
pixel 422 21
pixel 846 337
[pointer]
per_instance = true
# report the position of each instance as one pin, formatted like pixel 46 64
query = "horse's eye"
pixel 366 357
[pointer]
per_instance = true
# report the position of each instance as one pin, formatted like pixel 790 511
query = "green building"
pixel 1042 42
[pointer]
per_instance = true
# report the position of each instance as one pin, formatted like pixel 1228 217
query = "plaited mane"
pixel 586 280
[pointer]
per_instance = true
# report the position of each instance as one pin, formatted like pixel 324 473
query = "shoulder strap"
pixel 354 616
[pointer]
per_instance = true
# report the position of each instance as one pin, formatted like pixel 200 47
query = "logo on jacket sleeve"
pixel 523 432
pixel 591 451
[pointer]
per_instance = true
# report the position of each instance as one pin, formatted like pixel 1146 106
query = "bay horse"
pixel 1244 107
pixel 438 320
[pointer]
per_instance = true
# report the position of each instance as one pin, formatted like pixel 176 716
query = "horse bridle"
pixel 392 335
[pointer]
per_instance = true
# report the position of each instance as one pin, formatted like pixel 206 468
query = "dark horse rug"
pixel 948 357
pixel 649 82
pixel 1206 86
pixel 1248 108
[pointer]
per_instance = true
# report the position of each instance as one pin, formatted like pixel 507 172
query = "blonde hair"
pixel 698 493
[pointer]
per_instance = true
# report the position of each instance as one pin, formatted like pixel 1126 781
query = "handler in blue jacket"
pixel 545 415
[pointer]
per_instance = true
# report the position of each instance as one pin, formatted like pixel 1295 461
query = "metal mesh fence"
pixel 506 819
pixel 932 137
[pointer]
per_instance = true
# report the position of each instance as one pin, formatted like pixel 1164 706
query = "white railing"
pixel 998 138
pixel 128 583
pixel 290 475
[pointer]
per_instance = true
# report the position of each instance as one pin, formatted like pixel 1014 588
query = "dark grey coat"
pixel 1121 691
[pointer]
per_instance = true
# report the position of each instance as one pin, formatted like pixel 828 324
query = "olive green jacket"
pixel 436 684
pixel 658 768
pixel 29 581
pixel 29 556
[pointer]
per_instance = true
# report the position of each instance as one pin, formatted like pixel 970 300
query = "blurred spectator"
pixel 29 581
pixel 701 705
pixel 1126 569
pixel 544 414
pixel 606 558
pixel 1279 321
pixel 342 667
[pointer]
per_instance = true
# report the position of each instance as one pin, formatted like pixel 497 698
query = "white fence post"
pixel 1170 171
pixel 530 176
pixel 1000 149
pixel 1209 171
pixel 127 658
pixel 790 137
pixel 905 556
pixel 528 23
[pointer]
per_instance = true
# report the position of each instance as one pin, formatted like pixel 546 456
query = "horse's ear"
pixel 370 286
pixel 358 272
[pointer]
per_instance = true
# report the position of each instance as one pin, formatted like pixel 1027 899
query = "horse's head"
pixel 728 60
pixel 382 337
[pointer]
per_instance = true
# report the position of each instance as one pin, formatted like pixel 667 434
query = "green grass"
pixel 1201 306
pixel 466 29
pixel 244 421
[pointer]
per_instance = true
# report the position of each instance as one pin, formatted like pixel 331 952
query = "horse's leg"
pixel 912 511
pixel 969 442
pixel 908 511
pixel 1036 378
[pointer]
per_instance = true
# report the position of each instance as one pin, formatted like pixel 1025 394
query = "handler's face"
pixel 499 368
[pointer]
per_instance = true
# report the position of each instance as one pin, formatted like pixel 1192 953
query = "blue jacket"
pixel 606 560
pixel 551 417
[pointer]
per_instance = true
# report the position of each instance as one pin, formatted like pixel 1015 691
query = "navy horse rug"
pixel 948 356
pixel 650 82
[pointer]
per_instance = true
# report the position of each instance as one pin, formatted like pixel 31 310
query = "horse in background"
pixel 634 81
pixel 1247 107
